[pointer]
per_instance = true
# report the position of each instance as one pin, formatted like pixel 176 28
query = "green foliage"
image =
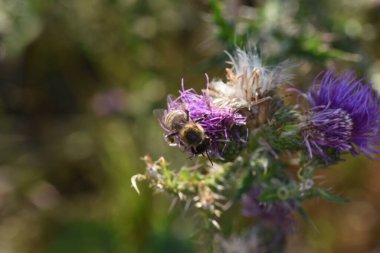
pixel 201 184
pixel 225 29
pixel 86 237
pixel 280 25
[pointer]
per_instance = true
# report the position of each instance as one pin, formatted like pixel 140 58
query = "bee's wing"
pixel 171 98
pixel 159 114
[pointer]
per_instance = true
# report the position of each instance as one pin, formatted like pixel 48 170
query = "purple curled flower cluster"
pixel 344 115
pixel 219 125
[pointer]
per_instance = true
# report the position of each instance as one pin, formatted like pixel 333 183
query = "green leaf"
pixel 331 197
pixel 226 30
pixel 268 196
pixel 306 217
pixel 303 214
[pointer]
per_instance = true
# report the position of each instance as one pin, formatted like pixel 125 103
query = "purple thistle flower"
pixel 220 124
pixel 278 213
pixel 343 116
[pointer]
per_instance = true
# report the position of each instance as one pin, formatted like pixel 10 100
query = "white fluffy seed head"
pixel 247 80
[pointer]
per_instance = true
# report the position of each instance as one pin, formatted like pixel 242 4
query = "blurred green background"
pixel 79 81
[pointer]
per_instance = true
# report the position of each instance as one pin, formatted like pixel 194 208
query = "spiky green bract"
pixel 280 134
pixel 232 150
pixel 200 185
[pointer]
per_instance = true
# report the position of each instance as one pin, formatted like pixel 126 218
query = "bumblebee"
pixel 190 134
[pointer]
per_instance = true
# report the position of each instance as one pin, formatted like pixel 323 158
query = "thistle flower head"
pixel 220 124
pixel 248 81
pixel 344 115
pixel 276 213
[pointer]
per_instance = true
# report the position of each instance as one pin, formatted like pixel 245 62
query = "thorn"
pixel 134 180
pixel 174 202
pixel 215 223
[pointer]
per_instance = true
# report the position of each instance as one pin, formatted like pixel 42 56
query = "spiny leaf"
pixel 331 197
pixel 134 179
pixel 215 224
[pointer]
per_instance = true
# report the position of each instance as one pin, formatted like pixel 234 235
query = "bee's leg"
pixel 193 153
pixel 201 118
pixel 208 157
pixel 187 115
pixel 169 135
pixel 169 138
